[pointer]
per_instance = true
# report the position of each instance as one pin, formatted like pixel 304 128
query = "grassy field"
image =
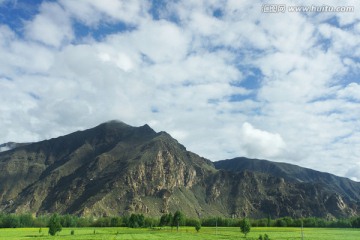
pixel 183 234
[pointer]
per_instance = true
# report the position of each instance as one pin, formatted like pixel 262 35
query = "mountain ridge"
pixel 117 169
pixel 11 145
pixel 294 173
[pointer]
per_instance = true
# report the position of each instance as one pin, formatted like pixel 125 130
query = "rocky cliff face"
pixel 295 174
pixel 117 169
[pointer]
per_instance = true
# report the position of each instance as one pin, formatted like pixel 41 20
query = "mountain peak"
pixel 135 169
pixel 115 124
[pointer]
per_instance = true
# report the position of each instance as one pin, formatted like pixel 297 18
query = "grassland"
pixel 183 234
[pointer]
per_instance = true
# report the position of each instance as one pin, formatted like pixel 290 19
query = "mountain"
pixel 117 169
pixel 110 169
pixel 10 145
pixel 293 173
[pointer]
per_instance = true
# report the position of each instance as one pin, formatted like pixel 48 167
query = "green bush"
pixel 115 222
pixel 136 220
pixel 355 222
pixel 281 223
pixel 54 224
pixel 166 220
pixel 10 221
pixel 197 226
pixel 245 226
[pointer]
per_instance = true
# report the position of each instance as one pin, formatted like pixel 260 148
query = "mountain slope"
pixel 116 169
pixel 11 145
pixel 79 172
pixel 344 186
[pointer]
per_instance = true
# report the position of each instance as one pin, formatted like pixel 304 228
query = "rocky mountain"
pixel 293 173
pixel 117 169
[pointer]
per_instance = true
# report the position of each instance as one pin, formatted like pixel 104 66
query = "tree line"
pixel 174 220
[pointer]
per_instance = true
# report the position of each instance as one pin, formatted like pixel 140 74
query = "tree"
pixel 54 224
pixel 178 219
pixel 68 221
pixel 115 222
pixel 166 220
pixel 10 221
pixel 280 223
pixel 245 226
pixel 136 220
pixel 26 220
pixel 268 221
pixel 197 226
pixel 356 222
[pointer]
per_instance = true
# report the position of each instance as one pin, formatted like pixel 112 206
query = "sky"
pixel 226 78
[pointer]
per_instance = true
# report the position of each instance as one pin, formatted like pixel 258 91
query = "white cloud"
pixel 3 149
pixel 351 92
pixel 51 26
pixel 260 144
pixel 160 41
pixel 181 73
pixel 343 41
pixel 93 12
pixel 354 172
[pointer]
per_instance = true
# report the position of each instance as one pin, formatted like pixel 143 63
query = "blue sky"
pixel 222 77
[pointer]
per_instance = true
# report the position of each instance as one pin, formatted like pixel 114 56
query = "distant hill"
pixel 345 187
pixel 117 169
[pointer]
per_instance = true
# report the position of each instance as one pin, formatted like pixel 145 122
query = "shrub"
pixel 136 220
pixel 115 222
pixel 166 220
pixel 355 222
pixel 281 223
pixel 197 226
pixel 10 221
pixel 245 226
pixel 54 224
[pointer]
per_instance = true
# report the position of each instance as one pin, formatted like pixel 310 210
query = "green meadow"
pixel 183 233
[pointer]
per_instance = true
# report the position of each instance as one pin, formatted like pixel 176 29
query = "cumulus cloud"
pixel 94 12
pixel 221 76
pixel 51 26
pixel 160 41
pixel 259 143
pixel 351 91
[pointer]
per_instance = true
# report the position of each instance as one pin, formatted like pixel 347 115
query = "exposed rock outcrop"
pixel 117 169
